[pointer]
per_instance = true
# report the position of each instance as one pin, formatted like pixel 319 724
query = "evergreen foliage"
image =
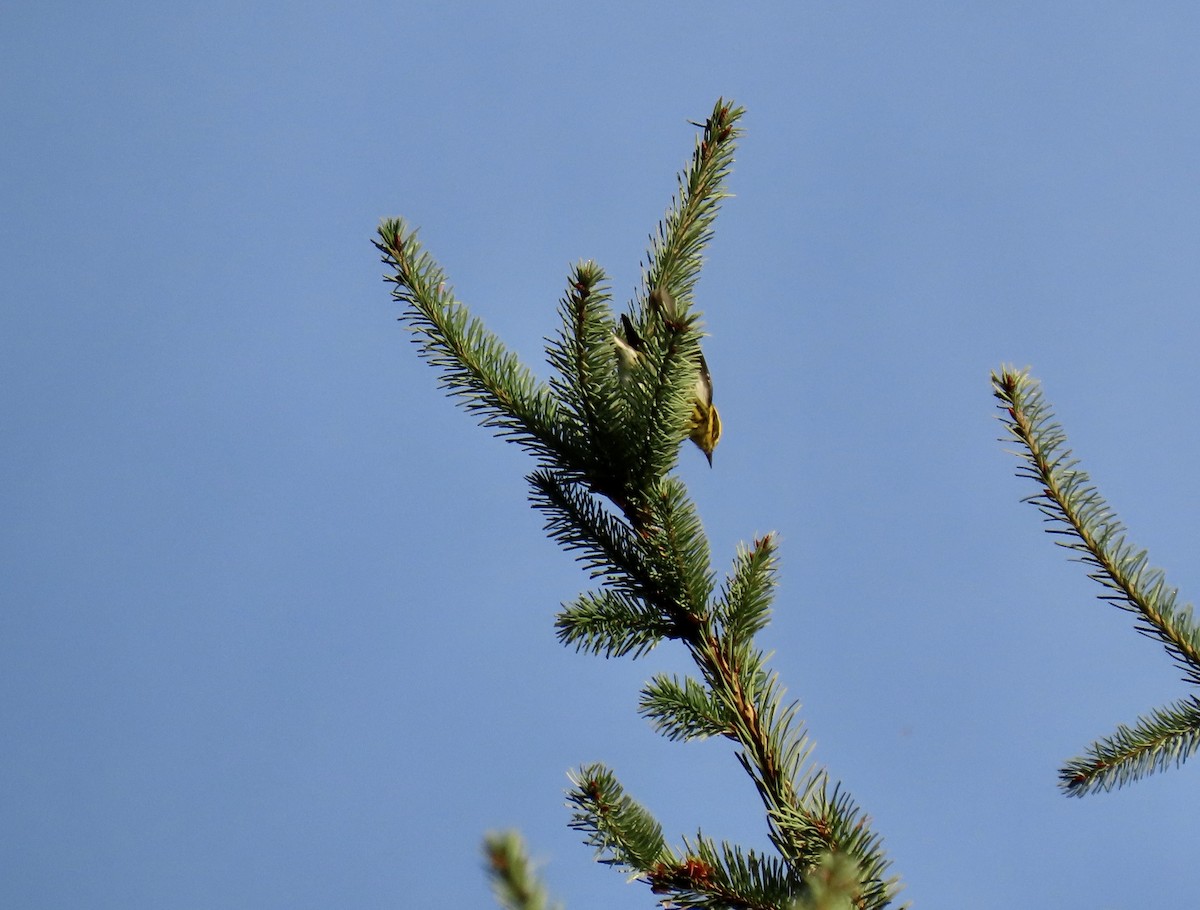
pixel 605 433
pixel 1089 528
pixel 514 883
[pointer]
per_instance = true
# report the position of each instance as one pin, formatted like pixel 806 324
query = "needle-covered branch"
pixel 623 833
pixel 476 367
pixel 683 709
pixel 1162 739
pixel 702 873
pixel 718 876
pixel 809 816
pixel 744 607
pixel 586 383
pixel 515 884
pixel 676 249
pixel 1075 510
pixel 1077 513
pixel 606 432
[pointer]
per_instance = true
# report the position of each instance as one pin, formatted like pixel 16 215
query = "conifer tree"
pixel 605 434
pixel 1087 526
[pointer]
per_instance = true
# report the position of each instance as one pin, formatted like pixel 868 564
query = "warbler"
pixel 704 426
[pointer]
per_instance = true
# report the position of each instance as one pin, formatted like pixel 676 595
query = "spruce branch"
pixel 1075 511
pixel 663 311
pixel 683 709
pixel 515 884
pixel 744 607
pixel 606 432
pixel 476 368
pixel 723 876
pixel 660 409
pixel 1164 738
pixel 840 822
pixel 834 885
pixel 674 257
pixel 611 623
pixel 623 833
pixel 675 535
pixel 621 553
pixel 579 521
pixel 701 874
pixel 586 383
pixel 806 820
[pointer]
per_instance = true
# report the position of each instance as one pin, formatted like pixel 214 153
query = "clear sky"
pixel 276 621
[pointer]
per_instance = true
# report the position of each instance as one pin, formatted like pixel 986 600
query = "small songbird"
pixel 706 422
pixel 704 427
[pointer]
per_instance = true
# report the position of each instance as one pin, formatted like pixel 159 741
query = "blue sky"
pixel 277 621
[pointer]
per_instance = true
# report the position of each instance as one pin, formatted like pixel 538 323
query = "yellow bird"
pixel 705 426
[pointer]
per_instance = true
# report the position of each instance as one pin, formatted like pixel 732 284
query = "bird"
pixel 704 425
